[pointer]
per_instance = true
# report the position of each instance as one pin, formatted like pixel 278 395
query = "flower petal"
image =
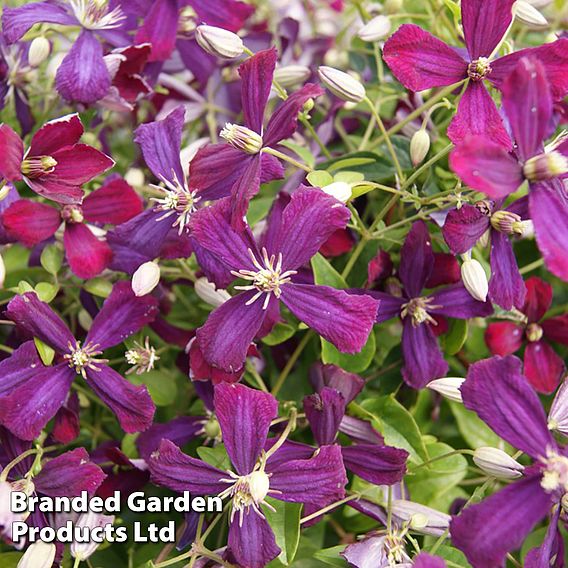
pixel 381 465
pixel 543 367
pixel 15 370
pixel 506 286
pixel 457 302
pixel 56 134
pixel 29 222
pixel 123 313
pixel 243 190
pixel 171 468
pixel 477 115
pixel 550 553
pixel 556 329
pixel 485 23
pixel 37 319
pixel 160 142
pixel 83 76
pixel 464 227
pixel 538 299
pixel 244 415
pixel 114 203
pixel 421 61
pixel 389 306
pixel 87 255
pixel 487 531
pixel 504 337
pixel 79 164
pixel 324 411
pixel 416 259
pixel 132 405
pixel 425 560
pixel 501 396
pixel 348 384
pixel 11 153
pixel 227 14
pixel 27 409
pixel 346 320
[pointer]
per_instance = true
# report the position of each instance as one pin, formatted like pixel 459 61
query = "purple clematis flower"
pixel 423 360
pixel 30 394
pixel 295 233
pixel 503 398
pixel 82 76
pixel 421 61
pixel 488 167
pixel 465 226
pixel 245 416
pixel 241 165
pixel 55 165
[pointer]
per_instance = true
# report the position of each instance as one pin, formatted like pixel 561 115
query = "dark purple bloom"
pixel 294 234
pixel 82 76
pixel 423 360
pixel 31 394
pixel 55 165
pixel 421 61
pixel 502 397
pixel 465 226
pixel 245 416
pixel 488 167
pixel 542 365
pixel 241 165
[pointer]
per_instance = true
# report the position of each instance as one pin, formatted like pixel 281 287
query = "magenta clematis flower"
pixel 487 167
pixel 245 416
pixel 295 233
pixel 421 61
pixel 543 367
pixel 55 165
pixel 501 396
pixel 82 76
pixel 31 223
pixel 241 165
pixel 423 360
pixel 464 227
pixel 31 394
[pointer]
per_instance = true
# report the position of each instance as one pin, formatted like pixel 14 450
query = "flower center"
pixel 95 14
pixel 479 69
pixel 72 214
pixel 178 200
pixel 555 474
pixel 417 310
pixel 545 166
pixel 485 207
pixel 533 332
pixel 242 138
pixel 141 357
pixel 395 548
pixel 268 279
pixel 83 358
pixel 37 166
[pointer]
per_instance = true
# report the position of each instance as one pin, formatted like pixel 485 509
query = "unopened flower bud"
pixel 474 279
pixel 504 221
pixel 338 189
pixel 419 146
pixel 146 278
pixel 426 520
pixel 524 229
pixel 528 14
pixel 219 42
pixel 212 429
pixel 38 555
pixel 83 550
pixel 497 463
pixel 375 29
pixel 259 484
pixel 393 6
pixel 242 138
pixel 291 75
pixel 448 387
pixel 341 84
pixel 134 177
pixel 39 51
pixel 208 293
pixel 546 166
pixel 558 415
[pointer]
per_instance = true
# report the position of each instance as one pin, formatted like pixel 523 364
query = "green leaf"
pixel 301 151
pixel 454 340
pixel 10 559
pixel 285 522
pixel 216 456
pixel 51 258
pixel 98 287
pixel 280 332
pixel 319 178
pixel 258 209
pixel 161 386
pixel 325 274
pixel 46 291
pixel 397 426
pixel 45 352
pixel 128 445
pixel 331 556
pixel 356 363
pixel 349 177
pixel 24 287
pixel 453 555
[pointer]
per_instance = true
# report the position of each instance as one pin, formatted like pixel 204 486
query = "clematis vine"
pixel 31 223
pixel 502 397
pixel 31 394
pixel 244 416
pixel 421 61
pixel 423 360
pixel 542 366
pixel 83 76
pixel 269 267
pixel 488 167
pixel 242 165
pixel 55 165
pixel 463 229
